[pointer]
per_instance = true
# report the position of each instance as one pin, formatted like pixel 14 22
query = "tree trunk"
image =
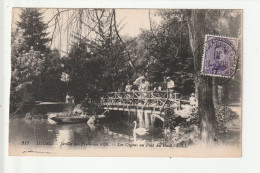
pixel 215 93
pixel 197 31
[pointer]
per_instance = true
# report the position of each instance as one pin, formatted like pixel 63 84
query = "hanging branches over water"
pixel 98 26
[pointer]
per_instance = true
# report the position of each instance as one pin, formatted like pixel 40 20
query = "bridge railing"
pixel 142 99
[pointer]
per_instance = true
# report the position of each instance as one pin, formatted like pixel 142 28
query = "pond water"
pixel 116 129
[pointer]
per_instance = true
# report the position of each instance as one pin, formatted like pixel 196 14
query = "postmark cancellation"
pixel 220 56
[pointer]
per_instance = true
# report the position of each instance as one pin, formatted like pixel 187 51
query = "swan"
pixel 92 127
pixel 139 131
pixel 103 115
pixel 91 120
pixel 137 141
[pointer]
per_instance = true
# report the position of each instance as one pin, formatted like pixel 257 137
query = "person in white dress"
pixel 192 100
pixel 170 86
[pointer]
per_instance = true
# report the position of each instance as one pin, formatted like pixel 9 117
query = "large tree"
pixel 29 51
pixel 197 30
pixel 26 68
pixel 34 30
pixel 203 22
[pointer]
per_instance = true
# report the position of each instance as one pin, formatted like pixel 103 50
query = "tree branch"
pixel 116 30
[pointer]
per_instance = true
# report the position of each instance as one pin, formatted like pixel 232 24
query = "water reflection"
pixel 92 127
pixel 137 140
pixel 118 127
pixel 147 120
pixel 140 118
pixel 62 136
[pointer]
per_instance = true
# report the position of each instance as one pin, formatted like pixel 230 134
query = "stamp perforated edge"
pixel 202 60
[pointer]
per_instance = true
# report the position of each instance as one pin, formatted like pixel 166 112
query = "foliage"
pixel 94 66
pixel 166 50
pixel 84 71
pixel 184 136
pixel 227 23
pixel 26 68
pixel 34 30
pixel 35 114
pixel 17 41
pixel 33 64
pixel 51 88
pixel 101 63
pixel 223 115
pixel 169 119
pixel 211 22
pixel 92 107
pixel 187 132
pixel 184 131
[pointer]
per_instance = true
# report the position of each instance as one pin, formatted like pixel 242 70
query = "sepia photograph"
pixel 126 82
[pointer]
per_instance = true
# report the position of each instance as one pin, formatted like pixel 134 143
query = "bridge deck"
pixel 147 101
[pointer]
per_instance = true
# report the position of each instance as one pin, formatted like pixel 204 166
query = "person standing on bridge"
pixel 67 98
pixel 144 86
pixel 128 87
pixel 170 87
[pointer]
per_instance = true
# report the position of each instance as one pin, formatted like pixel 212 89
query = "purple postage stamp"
pixel 220 56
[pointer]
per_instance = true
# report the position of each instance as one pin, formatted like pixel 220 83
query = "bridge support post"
pixel 146 120
pixel 179 104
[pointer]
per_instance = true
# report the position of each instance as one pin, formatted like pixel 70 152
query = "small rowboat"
pixel 75 119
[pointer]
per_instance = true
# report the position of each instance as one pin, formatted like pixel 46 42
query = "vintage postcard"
pixel 126 82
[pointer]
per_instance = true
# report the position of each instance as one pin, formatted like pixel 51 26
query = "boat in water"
pixel 63 118
pixel 74 119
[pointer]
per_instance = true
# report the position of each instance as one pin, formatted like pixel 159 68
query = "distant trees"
pixel 166 51
pixel 83 69
pixel 102 62
pixel 50 87
pixel 96 67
